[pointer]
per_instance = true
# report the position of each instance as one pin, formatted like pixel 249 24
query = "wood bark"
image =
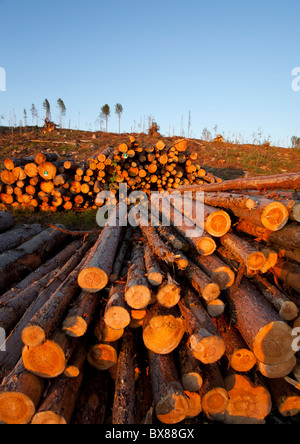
pixel 219 273
pixel 190 371
pixel 244 252
pixel 155 274
pixel 7 221
pixel 137 291
pixel 286 397
pixel 213 392
pixel 117 312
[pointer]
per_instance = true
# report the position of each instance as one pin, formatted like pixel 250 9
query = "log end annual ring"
pixel 275 216
pixel 75 326
pixel 46 360
pixel 289 311
pixel 163 334
pixel 117 318
pixel 218 223
pixel 206 246
pixel 224 277
pixel 102 356
pixel 15 408
pixel 138 297
pixel 209 350
pixel 33 335
pixel 172 409
pixel 242 360
pixel 215 401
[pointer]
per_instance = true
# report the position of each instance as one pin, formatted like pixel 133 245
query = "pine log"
pixel 14 343
pixel 104 333
pixel 15 264
pixel 7 220
pixel 121 255
pixel 171 405
pixel 45 321
pixel 137 291
pixel 20 394
pixel 76 362
pixel 47 170
pixel 261 327
pixel 92 403
pixel 10 164
pixel 16 236
pixel 277 370
pixel 286 308
pixel 103 356
pixel 95 273
pixel 213 392
pixel 117 312
pixel 219 273
pixel 228 201
pixel 169 235
pixel 214 221
pixel 289 273
pixel 207 289
pixel 252 258
pixel 190 371
pixel 60 403
pixel 45 157
pixel 123 411
pixel 249 402
pixel 286 397
pixel 169 293
pixel 238 355
pixel 49 359
pixel 215 308
pixel 163 329
pixel 204 340
pixel 80 315
pixel 154 273
pixel 284 181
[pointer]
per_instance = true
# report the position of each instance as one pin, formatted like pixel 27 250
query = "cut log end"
pixel 15 408
pixel 102 356
pixel 155 278
pixel 273 343
pixel 172 409
pixel 277 370
pixel 206 246
pixel 48 418
pixel 242 360
pixel 289 311
pixel 256 261
pixel 138 297
pixel 208 350
pixel 192 381
pixel 224 277
pixel 218 223
pixel 163 334
pixel 92 279
pixel 195 404
pixel 211 292
pixel 75 326
pixel 33 335
pixel 275 216
pixel 169 296
pixel 117 318
pixel 46 360
pixel 215 401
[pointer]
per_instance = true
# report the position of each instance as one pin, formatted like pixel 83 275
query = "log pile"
pixel 127 325
pixel 47 182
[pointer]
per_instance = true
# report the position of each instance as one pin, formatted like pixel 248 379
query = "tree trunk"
pixel 289 273
pixel 171 405
pixel 137 290
pixel 219 273
pixel 77 360
pixel 260 326
pixel 123 411
pixel 117 312
pixel 103 356
pixel 15 264
pixel 163 329
pixel 7 221
pixel 244 252
pixel 20 394
pixel 95 273
pixel 121 255
pixel 213 392
pixel 190 371
pixel 287 309
pixel 154 273
pixel 204 340
pixel 207 289
pixel 286 397
pixel 238 355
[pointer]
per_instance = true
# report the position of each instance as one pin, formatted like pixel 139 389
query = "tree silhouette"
pixel 33 111
pixel 105 113
pixel 46 106
pixel 62 110
pixel 119 111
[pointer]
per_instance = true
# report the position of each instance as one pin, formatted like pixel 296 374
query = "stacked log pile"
pixel 49 183
pixel 126 328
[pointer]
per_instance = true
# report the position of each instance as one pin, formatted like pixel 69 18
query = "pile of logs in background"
pixel 49 183
pixel 148 325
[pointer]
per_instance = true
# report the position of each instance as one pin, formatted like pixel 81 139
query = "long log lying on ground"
pixel 18 235
pixel 14 343
pixel 15 264
pixel 261 327
pixel 20 394
pixel 7 220
pixel 287 181
pixel 123 411
pixel 171 405
pixel 96 271
pixel 204 285
pixel 219 273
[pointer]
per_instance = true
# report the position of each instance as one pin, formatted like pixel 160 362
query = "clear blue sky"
pixel 227 62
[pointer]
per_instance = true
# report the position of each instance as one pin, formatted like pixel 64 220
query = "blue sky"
pixel 227 62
